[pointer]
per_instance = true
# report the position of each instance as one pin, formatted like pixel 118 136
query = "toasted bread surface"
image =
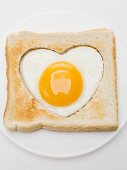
pixel 24 113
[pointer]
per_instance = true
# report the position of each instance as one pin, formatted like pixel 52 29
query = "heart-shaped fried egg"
pixel 62 83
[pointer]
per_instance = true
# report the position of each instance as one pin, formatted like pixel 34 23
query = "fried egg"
pixel 62 83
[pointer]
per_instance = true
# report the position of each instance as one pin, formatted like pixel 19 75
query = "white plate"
pixel 63 144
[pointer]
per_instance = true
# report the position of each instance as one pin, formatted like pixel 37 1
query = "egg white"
pixel 87 60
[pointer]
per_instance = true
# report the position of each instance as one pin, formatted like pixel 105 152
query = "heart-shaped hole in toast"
pixel 86 60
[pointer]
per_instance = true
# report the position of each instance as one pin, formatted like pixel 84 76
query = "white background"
pixel 114 154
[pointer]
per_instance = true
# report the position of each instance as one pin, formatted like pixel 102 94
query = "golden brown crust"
pixel 24 113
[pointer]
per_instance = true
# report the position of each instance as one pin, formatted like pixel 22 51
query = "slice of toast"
pixel 24 113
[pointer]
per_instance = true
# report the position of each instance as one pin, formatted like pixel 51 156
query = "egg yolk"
pixel 60 84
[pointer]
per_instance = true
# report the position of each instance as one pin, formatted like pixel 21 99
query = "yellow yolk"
pixel 60 84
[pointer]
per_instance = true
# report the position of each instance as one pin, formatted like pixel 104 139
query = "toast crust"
pixel 24 113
